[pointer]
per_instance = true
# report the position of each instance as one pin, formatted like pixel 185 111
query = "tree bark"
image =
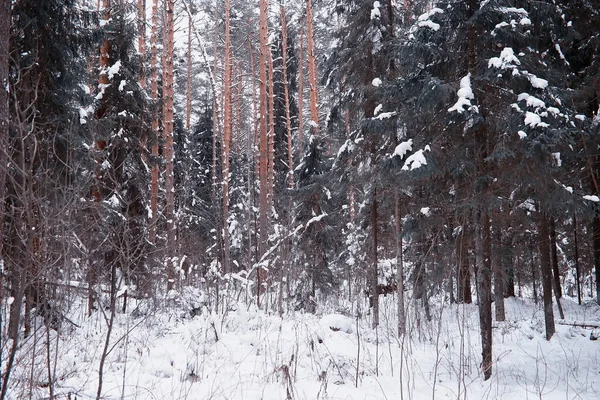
pixel 464 273
pixel 399 266
pixel 576 256
pixel 5 20
pixel 301 94
pixel 227 135
pixel 271 131
pixel 555 271
pixel 374 272
pixel 263 145
pixel 484 277
pixel 188 91
pixel 596 240
pixel 142 40
pixel 168 141
pixel 312 70
pixel 288 119
pixel 546 268
pixel 498 272
pixel 155 132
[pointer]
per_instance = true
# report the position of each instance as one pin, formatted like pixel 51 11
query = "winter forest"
pixel 301 199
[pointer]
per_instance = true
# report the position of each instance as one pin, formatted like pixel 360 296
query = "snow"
pixel 534 120
pixel 403 148
pixel 375 12
pixel 430 13
pixel 426 211
pixel 122 85
pixel 429 24
pixel 514 10
pixel 525 21
pixel 537 83
pixel 557 159
pixel 522 135
pixel 191 352
pixel 532 101
pixel 378 109
pixel 580 117
pixel 114 69
pixel 376 82
pixel 385 115
pixel 416 160
pixel 465 95
pixel 506 60
pixel 593 198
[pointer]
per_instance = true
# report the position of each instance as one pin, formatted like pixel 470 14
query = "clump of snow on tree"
pixel 403 148
pixel 507 60
pixel 465 95
pixel 375 12
pixel 376 82
pixel 416 160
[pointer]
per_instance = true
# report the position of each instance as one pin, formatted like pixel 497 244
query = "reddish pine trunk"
pixel 312 70
pixel 168 141
pixel 154 83
pixel 263 145
pixel 288 120
pixel 227 134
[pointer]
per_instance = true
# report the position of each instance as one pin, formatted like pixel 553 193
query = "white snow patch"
pixel 403 148
pixel 375 12
pixel 534 120
pixel 465 95
pixel 506 60
pixel 378 109
pixel 426 211
pixel 376 82
pixel 416 160
pixel 429 24
pixel 385 115
pixel 537 83
pixel 593 198
pixel 114 69
pixel 522 135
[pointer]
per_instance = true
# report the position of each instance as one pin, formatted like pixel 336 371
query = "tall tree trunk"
pixel 546 268
pixel 533 273
pixel 596 240
pixel 271 131
pixel 216 127
pixel 464 273
pixel 576 256
pixel 498 271
pixel 263 145
pixel 301 94
pixel 288 119
pixel 5 18
pixel 312 70
pixel 555 271
pixel 142 40
pixel 188 91
pixel 374 272
pixel 484 277
pixel 553 248
pixel 168 141
pixel 155 132
pixel 227 135
pixel 399 265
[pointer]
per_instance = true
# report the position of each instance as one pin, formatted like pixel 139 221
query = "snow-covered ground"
pixel 248 354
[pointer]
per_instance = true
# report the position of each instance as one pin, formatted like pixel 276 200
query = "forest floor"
pixel 248 354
